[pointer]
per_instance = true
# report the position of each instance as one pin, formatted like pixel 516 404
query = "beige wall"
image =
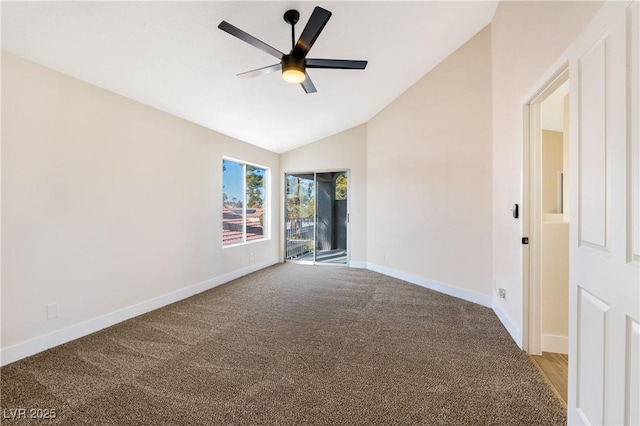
pixel 554 235
pixel 527 37
pixel 107 203
pixel 552 164
pixel 429 174
pixel 554 286
pixel 344 151
pixel 566 132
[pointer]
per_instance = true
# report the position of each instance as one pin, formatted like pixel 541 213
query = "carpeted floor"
pixel 292 344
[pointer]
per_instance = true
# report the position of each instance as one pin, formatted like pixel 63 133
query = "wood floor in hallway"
pixel 554 368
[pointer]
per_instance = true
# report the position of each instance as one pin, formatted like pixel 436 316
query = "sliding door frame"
pixel 315 214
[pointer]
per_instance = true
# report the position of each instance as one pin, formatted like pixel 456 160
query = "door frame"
pixel 557 75
pixel 284 214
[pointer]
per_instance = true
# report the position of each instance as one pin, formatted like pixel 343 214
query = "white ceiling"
pixel 172 56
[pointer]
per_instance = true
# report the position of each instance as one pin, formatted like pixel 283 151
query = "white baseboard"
pixel 481 299
pixel 556 344
pixel 41 343
pixel 470 296
pixel 507 322
pixel 360 264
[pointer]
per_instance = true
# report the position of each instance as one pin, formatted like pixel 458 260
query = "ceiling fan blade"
pixel 307 85
pixel 343 64
pixel 261 71
pixel 312 30
pixel 237 32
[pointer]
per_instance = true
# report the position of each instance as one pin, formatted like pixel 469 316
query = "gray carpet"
pixel 292 344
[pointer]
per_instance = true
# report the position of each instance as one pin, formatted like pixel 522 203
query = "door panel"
pixel 593 146
pixel 592 326
pixel 604 281
pixel 300 194
pixel 633 370
pixel 324 212
pixel 633 37
pixel 331 218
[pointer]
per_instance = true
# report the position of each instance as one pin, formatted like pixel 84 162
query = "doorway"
pixel 317 217
pixel 546 221
pixel 552 221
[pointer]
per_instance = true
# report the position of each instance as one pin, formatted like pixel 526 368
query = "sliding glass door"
pixel 316 217
pixel 300 217
pixel 331 217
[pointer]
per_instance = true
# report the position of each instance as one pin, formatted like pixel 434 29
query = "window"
pixel 244 195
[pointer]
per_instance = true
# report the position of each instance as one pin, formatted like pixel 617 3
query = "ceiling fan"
pixel 295 63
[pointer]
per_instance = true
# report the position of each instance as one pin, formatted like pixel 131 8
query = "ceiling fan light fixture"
pixel 293 75
pixel 294 65
pixel 293 69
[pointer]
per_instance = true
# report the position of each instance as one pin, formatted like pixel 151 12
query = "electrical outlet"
pixel 52 311
pixel 251 256
pixel 502 293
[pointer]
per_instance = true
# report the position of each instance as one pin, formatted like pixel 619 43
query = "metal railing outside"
pixel 300 236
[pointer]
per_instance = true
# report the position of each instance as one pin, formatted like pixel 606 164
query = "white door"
pixel 604 312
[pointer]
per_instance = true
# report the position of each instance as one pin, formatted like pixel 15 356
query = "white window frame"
pixel 266 235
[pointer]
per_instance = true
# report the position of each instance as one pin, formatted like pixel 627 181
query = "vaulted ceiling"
pixel 172 56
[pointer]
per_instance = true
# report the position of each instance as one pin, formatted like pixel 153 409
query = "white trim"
pixel 507 322
pixel 38 344
pixel 555 344
pixel 550 81
pixel 530 301
pixel 460 293
pixel 266 227
pixel 236 160
pixel 360 264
